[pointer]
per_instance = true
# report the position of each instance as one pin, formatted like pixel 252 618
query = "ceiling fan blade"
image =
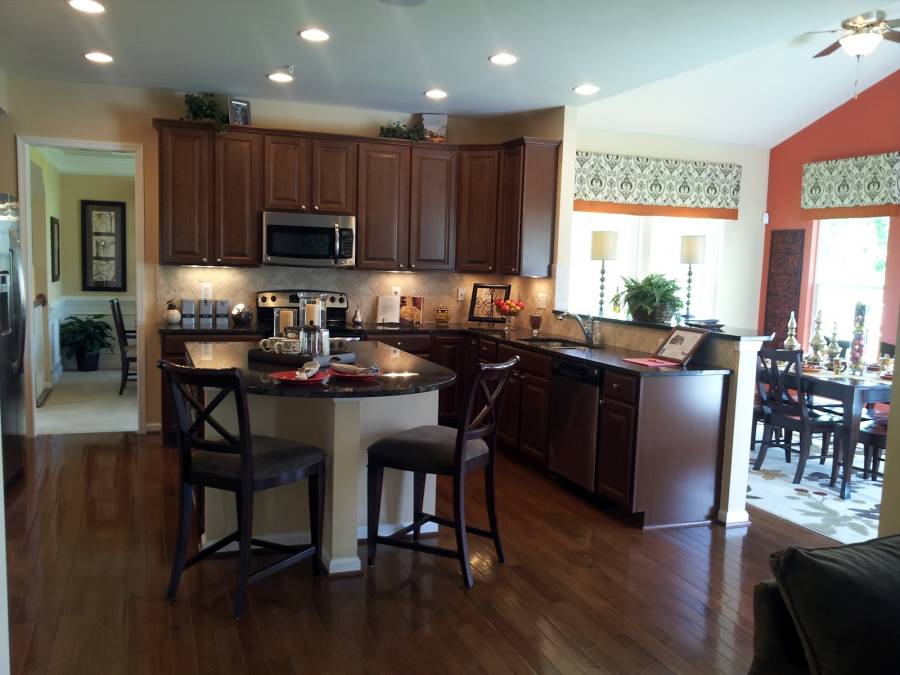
pixel 892 35
pixel 834 46
pixel 821 32
pixel 893 23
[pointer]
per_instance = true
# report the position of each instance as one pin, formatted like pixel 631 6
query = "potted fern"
pixel 653 298
pixel 84 338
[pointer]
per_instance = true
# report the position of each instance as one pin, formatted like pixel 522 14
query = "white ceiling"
pixel 385 57
pixel 758 98
pixel 90 162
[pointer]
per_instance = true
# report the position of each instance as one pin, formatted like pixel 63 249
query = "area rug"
pixel 813 503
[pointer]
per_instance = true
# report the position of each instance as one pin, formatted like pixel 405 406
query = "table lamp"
pixel 603 248
pixel 693 252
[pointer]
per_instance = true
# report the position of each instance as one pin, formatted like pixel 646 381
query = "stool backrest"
pixel 482 410
pixel 193 414
pixel 779 380
pixel 119 324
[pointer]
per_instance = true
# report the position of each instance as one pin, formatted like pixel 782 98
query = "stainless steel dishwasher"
pixel 574 419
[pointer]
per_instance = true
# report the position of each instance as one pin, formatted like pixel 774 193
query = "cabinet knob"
pixel 401 264
pixel 303 207
pixel 203 259
pixel 316 207
pixel 490 268
pixel 412 265
pixel 513 269
pixel 616 386
pixel 218 260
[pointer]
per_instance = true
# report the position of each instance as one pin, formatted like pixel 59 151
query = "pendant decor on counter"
pixel 858 344
pixel 790 342
pixel 172 314
pixel 817 343
pixel 509 310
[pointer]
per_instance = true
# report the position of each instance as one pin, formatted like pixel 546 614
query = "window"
pixel 850 264
pixel 647 244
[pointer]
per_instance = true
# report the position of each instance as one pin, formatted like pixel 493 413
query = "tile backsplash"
pixel 362 287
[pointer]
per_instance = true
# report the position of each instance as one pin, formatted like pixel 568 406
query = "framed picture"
pixel 412 307
pixel 238 111
pixel 54 248
pixel 482 305
pixel 681 344
pixel 102 246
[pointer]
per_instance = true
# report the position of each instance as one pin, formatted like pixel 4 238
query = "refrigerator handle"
pixel 5 304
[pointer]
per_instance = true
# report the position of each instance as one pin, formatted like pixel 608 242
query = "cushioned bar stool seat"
pixel 241 463
pixel 449 452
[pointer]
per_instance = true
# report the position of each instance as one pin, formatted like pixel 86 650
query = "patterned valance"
pixel 865 185
pixel 629 184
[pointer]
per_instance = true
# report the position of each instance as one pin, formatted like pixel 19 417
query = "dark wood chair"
pixel 873 436
pixel 243 464
pixel 887 348
pixel 444 451
pixel 126 350
pixel 788 409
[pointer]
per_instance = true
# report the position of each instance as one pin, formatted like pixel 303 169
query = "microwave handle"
pixel 337 243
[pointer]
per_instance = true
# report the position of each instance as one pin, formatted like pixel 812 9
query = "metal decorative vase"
pixel 834 349
pixel 790 342
pixel 858 344
pixel 817 343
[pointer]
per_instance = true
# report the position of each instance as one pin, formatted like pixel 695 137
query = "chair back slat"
pixel 195 415
pixel 482 410
pixel 119 324
pixel 780 384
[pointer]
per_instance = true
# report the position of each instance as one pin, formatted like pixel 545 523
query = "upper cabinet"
pixel 303 174
pixel 237 198
pixel 382 223
pixel 477 231
pixel 432 213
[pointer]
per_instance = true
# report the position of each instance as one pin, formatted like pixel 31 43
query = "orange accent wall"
pixel 867 125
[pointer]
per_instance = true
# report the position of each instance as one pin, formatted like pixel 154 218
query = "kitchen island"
pixel 343 418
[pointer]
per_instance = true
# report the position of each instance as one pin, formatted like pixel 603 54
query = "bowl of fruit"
pixel 509 310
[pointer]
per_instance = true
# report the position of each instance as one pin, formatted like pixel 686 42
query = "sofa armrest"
pixel 776 644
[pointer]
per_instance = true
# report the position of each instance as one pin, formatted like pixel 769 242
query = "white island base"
pixel 344 428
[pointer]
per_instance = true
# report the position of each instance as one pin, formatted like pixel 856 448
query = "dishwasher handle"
pixel 576 371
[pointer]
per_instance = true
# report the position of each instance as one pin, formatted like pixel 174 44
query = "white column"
pixel 339 552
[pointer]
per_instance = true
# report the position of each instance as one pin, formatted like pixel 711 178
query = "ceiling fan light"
pixel 860 44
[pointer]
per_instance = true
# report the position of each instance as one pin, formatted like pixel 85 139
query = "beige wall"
pixel 890 498
pixel 73 189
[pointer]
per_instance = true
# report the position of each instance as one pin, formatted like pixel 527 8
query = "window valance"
pixel 653 186
pixel 868 185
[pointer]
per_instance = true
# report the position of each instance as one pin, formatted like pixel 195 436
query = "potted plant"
pixel 84 338
pixel 653 298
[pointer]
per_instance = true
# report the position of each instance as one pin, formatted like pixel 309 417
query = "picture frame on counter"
pixel 481 307
pixel 681 345
pixel 103 246
pixel 238 111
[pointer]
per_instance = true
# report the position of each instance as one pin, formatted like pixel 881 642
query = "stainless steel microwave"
pixel 309 239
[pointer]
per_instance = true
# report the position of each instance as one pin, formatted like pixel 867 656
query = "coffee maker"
pixel 296 308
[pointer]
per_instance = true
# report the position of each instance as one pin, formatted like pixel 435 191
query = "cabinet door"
pixel 382 227
pixel 509 423
pixel 185 181
pixel 334 177
pixel 287 175
pixel 534 416
pixel 450 352
pixel 614 451
pixel 509 233
pixel 432 217
pixel 477 231
pixel 538 223
pixel 237 198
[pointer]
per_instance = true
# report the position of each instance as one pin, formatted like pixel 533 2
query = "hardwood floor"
pixel 91 532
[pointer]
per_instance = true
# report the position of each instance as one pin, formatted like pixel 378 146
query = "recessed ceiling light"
pixel 87 6
pixel 314 34
pixel 503 59
pixel 98 57
pixel 436 93
pixel 282 75
pixel 586 89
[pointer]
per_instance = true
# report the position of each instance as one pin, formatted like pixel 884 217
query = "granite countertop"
pixel 726 332
pixel 195 329
pixel 419 375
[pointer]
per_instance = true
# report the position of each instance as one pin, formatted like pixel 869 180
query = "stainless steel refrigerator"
pixel 12 340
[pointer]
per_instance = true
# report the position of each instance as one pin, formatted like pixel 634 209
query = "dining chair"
pixel 873 436
pixel 127 353
pixel 444 451
pixel 240 463
pixel 788 407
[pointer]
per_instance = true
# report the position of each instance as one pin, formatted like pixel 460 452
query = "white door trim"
pixel 23 155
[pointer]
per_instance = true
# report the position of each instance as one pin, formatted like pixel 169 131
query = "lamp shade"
pixel 693 250
pixel 604 245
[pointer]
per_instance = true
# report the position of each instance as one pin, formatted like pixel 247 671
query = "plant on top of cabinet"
pixel 415 132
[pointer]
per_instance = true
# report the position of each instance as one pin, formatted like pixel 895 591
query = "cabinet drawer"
pixel 173 345
pixel 529 362
pixel 414 344
pixel 620 387
pixel 487 350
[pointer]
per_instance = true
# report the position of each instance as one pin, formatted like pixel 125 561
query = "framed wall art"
pixel 238 111
pixel 102 246
pixel 483 298
pixel 54 248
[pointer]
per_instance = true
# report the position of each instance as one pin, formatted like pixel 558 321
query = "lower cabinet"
pixel 524 416
pixel 450 352
pixel 508 424
pixel 534 413
pixel 614 451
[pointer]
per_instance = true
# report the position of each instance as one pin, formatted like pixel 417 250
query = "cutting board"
pixel 388 309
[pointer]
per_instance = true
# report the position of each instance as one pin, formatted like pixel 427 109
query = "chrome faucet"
pixel 586 329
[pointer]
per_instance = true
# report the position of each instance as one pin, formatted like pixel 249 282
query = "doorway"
pixel 82 223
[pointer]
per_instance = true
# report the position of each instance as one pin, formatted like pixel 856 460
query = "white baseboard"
pixel 347 565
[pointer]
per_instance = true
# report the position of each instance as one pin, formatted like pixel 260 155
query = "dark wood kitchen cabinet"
pixel 185 195
pixel 614 451
pixel 525 413
pixel 527 207
pixel 334 177
pixel 477 230
pixel 450 352
pixel 509 422
pixel 432 214
pixel 237 199
pixel 288 175
pixel 310 174
pixel 382 224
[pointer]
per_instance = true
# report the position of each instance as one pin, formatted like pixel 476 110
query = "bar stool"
pixel 448 452
pixel 243 464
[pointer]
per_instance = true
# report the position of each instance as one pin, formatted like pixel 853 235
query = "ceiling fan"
pixel 862 34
